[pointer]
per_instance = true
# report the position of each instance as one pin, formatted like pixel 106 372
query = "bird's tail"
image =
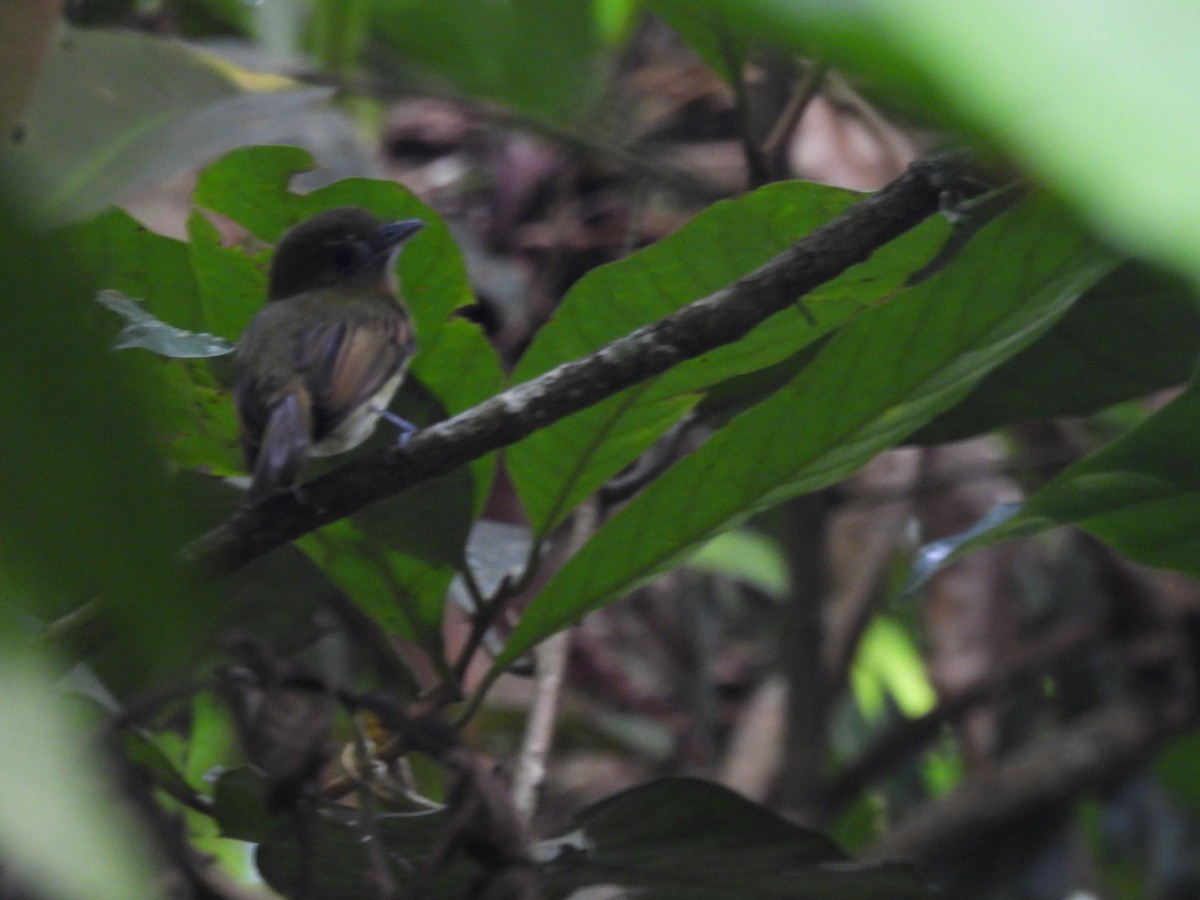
pixel 283 449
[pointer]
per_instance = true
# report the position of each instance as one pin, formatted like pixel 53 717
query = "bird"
pixel 317 366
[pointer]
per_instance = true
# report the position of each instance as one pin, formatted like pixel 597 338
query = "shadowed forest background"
pixel 805 502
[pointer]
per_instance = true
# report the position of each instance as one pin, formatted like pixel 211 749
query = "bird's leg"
pixel 405 427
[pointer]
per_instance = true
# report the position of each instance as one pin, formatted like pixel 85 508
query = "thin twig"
pixel 991 803
pixel 757 172
pixel 377 873
pixel 552 656
pixel 776 144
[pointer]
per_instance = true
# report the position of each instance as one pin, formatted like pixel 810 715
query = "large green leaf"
pixel 1134 332
pixel 683 838
pixel 884 374
pixel 86 518
pixel 556 467
pixel 185 405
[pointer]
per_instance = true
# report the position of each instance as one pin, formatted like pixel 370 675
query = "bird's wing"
pixel 344 362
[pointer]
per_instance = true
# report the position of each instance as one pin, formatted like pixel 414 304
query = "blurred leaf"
pixel 1040 76
pixel 936 555
pixel 85 490
pixel 556 467
pixel 64 835
pixel 687 838
pixel 210 18
pixel 615 18
pixel 888 664
pixel 140 750
pixel 153 108
pixel 747 556
pixel 86 517
pixel 1135 332
pixel 715 33
pixel 891 369
pixel 212 739
pixel 144 330
pixel 1175 769
pixel 538 56
pixel 337 30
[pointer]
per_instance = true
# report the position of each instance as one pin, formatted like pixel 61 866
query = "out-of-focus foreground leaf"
pixel 152 108
pixel 86 521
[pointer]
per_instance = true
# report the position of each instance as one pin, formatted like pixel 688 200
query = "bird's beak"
pixel 396 233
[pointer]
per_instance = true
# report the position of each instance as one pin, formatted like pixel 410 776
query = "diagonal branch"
pixel 708 323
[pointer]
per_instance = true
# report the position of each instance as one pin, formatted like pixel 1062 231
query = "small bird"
pixel 318 365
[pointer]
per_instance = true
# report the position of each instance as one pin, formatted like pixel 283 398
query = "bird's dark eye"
pixel 348 255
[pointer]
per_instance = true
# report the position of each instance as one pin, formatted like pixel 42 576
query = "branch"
pixel 1090 754
pixel 716 320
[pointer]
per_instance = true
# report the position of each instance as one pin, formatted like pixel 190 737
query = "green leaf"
pixel 87 517
pixel 186 407
pixel 250 186
pixel 85 487
pixel 113 250
pixel 150 333
pixel 687 838
pixel 1135 332
pixel 1141 493
pixel 556 467
pixel 887 372
pixel 746 556
pixel 538 56
pixel 714 32
pixel 230 283
pixel 337 31
pixel 888 665
pixel 140 750
pixel 153 108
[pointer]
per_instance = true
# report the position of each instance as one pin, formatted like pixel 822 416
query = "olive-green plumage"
pixel 321 361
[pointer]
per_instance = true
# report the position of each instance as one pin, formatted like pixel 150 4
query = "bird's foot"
pixel 405 428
